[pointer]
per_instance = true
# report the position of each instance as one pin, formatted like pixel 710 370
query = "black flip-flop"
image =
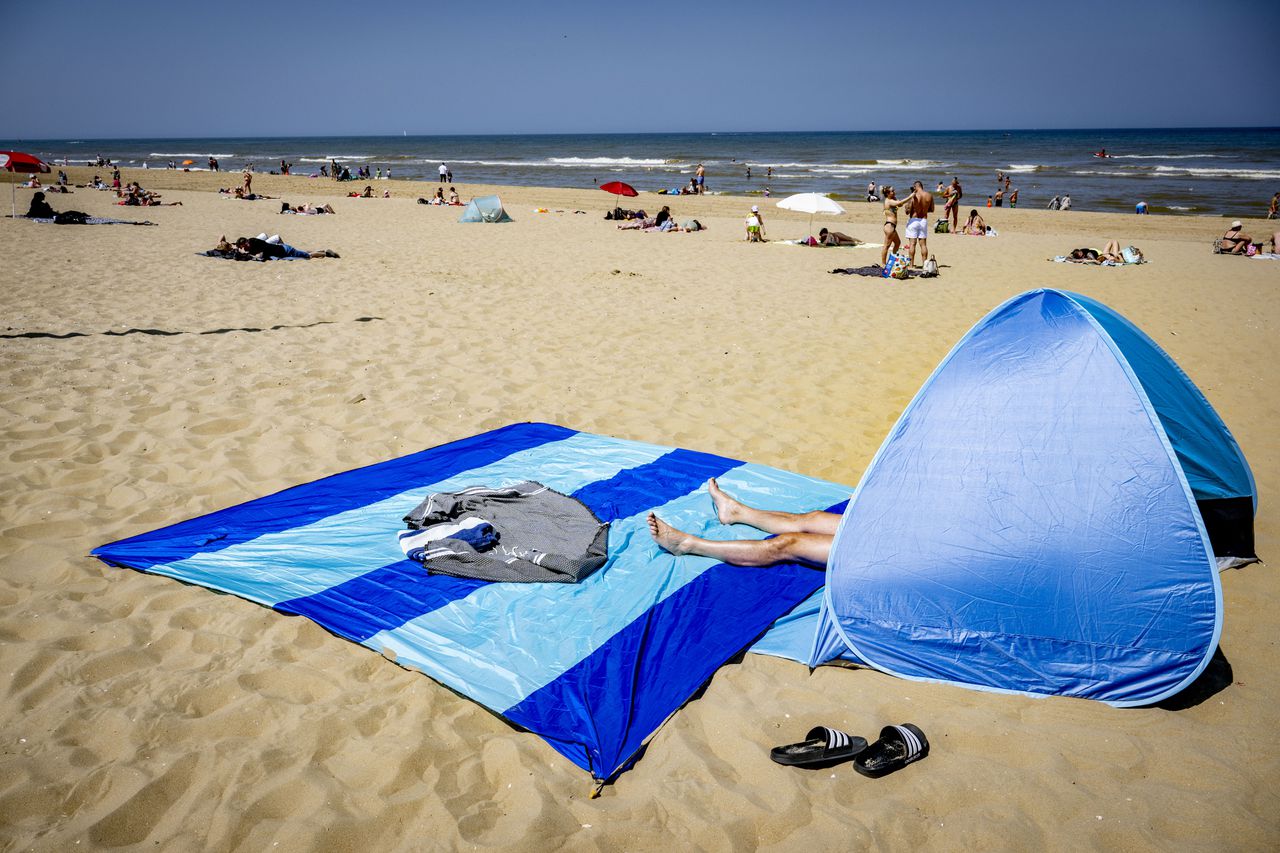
pixel 822 747
pixel 897 747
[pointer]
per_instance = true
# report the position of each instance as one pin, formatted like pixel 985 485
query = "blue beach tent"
pixel 485 209
pixel 1048 516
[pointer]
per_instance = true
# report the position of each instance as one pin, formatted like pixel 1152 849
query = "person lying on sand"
pixel 835 238
pixel 239 193
pixel 133 195
pixel 803 537
pixel 307 209
pixel 1111 252
pixel 259 249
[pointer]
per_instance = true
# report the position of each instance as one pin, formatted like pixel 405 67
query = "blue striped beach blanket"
pixel 593 668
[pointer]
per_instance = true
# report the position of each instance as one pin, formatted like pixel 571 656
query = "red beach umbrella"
pixel 16 161
pixel 619 189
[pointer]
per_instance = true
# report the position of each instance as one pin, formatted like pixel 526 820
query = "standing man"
pixel 1275 206
pixel 919 206
pixel 953 205
pixel 701 175
pixel 444 173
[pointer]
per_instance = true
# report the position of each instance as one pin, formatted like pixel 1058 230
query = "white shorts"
pixel 917 229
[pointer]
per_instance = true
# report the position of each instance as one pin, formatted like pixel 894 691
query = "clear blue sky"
pixel 232 68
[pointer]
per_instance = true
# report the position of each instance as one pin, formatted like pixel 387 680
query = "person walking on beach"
pixel 1275 206
pixel 701 175
pixel 891 239
pixel 247 178
pixel 919 206
pixel 444 172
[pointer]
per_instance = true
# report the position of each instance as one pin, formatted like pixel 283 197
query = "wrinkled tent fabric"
pixel 593 668
pixel 1031 524
pixel 485 209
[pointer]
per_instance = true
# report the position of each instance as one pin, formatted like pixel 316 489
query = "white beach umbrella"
pixel 811 203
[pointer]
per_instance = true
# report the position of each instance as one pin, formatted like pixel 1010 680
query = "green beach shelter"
pixel 485 209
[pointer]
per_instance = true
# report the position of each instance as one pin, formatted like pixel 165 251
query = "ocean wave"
pixel 216 156
pixel 1243 174
pixel 1022 167
pixel 1178 207
pixel 338 157
pixel 1162 156
pixel 609 161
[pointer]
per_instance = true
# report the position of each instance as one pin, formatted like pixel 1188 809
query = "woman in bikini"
pixel 891 239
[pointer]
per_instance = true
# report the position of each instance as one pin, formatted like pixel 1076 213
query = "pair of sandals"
pixel 897 747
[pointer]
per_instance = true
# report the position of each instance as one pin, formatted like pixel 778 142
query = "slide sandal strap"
pixel 835 738
pixel 914 746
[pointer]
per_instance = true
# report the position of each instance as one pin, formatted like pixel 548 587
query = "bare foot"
pixel 728 510
pixel 668 538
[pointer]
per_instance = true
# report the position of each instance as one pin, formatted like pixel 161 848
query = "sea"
pixel 1221 171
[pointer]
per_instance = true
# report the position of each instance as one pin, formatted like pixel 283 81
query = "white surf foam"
pixel 1244 174
pixel 215 156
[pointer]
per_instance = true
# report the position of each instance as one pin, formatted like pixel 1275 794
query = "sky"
pixel 232 68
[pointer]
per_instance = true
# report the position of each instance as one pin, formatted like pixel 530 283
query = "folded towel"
pixel 474 531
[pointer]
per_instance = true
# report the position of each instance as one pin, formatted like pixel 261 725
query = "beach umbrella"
pixel 187 162
pixel 811 203
pixel 619 189
pixel 16 161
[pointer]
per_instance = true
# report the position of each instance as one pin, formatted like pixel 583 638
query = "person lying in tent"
pixel 803 537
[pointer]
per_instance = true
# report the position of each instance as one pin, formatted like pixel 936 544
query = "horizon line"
pixel 652 133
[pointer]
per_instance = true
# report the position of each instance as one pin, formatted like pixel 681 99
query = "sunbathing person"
pixel 1235 241
pixel 975 225
pixel 306 209
pixel 368 191
pixel 258 249
pixel 1111 252
pixel 453 197
pixel 835 238
pixel 803 537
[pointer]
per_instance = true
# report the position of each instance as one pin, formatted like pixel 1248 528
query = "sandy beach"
pixel 144 384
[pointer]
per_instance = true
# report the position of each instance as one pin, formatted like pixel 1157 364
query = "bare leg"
pixel 731 511
pixel 811 548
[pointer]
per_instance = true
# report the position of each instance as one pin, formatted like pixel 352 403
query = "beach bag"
pixel 898 266
pixel 930 268
pixel 942 226
pixel 1251 250
pixel 71 217
pixel 1131 255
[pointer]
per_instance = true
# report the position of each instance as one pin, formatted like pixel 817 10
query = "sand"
pixel 143 385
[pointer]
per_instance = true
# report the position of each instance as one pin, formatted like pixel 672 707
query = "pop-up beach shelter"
pixel 1044 517
pixel 485 209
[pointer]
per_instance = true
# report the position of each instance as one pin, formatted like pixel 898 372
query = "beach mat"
pixel 593 668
